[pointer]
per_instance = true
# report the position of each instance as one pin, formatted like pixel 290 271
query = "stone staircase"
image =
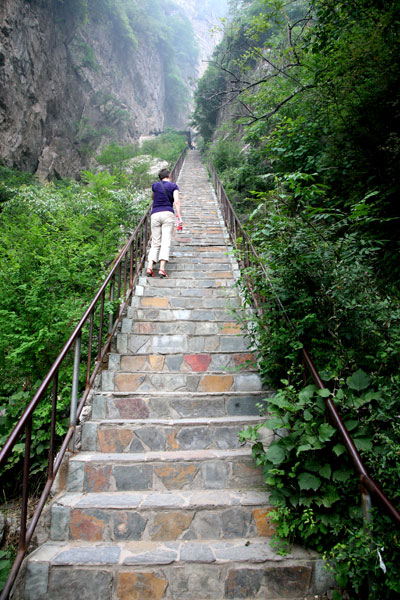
pixel 162 501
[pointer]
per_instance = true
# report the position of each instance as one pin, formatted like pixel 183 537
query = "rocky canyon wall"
pixel 65 89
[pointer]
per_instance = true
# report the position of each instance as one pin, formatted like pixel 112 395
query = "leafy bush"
pixel 323 272
pixel 56 242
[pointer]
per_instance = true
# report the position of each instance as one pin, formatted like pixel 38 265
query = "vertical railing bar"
pixel 111 314
pixel 90 344
pixel 25 485
pixel 53 427
pixel 131 266
pixel 101 318
pixel 119 280
pixel 125 274
pixel 75 380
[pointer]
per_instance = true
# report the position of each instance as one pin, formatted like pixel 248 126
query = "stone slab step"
pixel 131 382
pixel 185 278
pixel 183 363
pixel 143 435
pixel 165 314
pixel 185 327
pixel 203 280
pixel 176 405
pixel 171 344
pixel 184 570
pixel 168 516
pixel 209 265
pixel 174 302
pixel 183 469
pixel 187 292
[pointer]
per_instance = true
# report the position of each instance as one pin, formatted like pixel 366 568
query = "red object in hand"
pixel 178 225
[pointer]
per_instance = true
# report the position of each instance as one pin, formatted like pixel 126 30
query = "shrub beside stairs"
pixel 162 501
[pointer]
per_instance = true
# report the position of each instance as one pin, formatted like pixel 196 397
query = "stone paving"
pixel 162 501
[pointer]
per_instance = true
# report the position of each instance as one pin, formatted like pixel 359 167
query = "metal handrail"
pixel 248 256
pixel 119 283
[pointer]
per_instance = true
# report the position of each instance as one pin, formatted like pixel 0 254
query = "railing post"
pixel 112 288
pixel 75 380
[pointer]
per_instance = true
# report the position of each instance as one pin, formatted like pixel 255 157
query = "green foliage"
pixel 167 146
pixel 309 95
pixel 10 180
pixel 325 275
pixel 5 566
pixel 56 243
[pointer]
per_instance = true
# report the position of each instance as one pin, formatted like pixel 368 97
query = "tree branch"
pixel 279 106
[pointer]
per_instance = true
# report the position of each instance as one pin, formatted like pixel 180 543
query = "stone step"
pixel 185 327
pixel 181 266
pixel 199 280
pixel 196 238
pixel 219 291
pixel 153 435
pixel 171 344
pixel 184 570
pixel 180 470
pixel 120 381
pixel 183 363
pixel 174 302
pixel 196 314
pixel 177 405
pixel 168 516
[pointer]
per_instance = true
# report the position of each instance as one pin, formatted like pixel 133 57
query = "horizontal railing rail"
pixel 97 326
pixel 248 257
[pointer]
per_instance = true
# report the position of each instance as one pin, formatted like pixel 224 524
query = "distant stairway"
pixel 162 501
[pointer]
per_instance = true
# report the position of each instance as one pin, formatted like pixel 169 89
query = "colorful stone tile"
pixel 133 363
pixel 154 302
pixel 198 362
pixel 140 586
pixel 264 526
pixel 170 525
pixel 216 383
pixel 86 526
pixel 132 408
pixel 127 382
pixel 97 478
pixel 114 440
pixel 157 362
pixel 175 475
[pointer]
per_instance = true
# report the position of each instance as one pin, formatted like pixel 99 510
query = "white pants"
pixel 162 227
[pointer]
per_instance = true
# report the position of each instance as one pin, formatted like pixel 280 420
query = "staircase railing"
pixel 247 256
pixel 95 331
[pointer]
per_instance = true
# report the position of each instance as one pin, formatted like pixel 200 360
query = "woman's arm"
pixel 177 203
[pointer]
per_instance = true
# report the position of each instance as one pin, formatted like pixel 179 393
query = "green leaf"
pixel 325 471
pixel 324 393
pixel 358 381
pixel 274 423
pixel 342 475
pixel 330 496
pixel 325 432
pixel 308 481
pixel 307 393
pixel 339 449
pixel 275 454
pixel 364 443
pixel 307 415
pixel 351 424
pixel 303 448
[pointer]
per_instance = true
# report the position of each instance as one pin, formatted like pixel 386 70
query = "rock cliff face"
pixel 205 17
pixel 66 88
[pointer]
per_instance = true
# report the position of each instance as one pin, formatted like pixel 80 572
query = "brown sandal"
pixel 162 274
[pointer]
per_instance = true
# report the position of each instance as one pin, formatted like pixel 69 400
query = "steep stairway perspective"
pixel 162 501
